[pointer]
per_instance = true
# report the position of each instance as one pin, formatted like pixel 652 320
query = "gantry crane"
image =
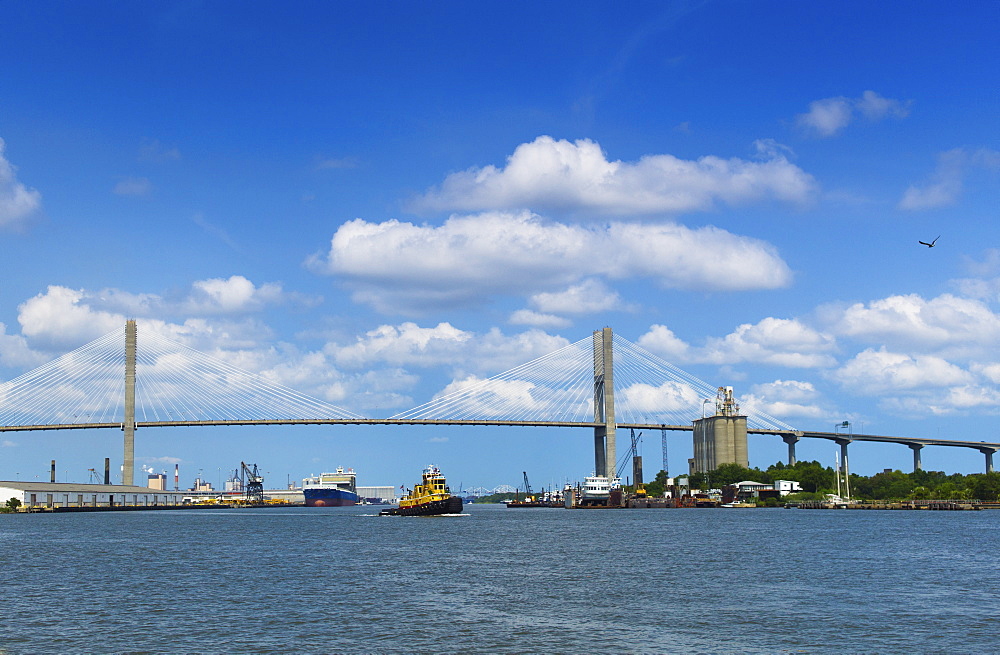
pixel 253 483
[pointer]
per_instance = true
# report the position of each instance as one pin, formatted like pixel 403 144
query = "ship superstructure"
pixel 430 497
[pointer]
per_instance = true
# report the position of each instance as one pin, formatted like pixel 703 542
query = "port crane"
pixel 640 488
pixel 253 483
pixel 527 486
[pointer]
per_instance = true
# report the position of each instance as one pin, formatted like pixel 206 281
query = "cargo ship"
pixel 331 489
pixel 429 498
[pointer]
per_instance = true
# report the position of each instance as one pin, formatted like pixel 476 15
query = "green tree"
pixel 658 485
pixel 985 486
pixel 811 476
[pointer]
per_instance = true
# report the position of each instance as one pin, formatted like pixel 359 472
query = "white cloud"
pixel 537 319
pixel 777 341
pixel 875 107
pixel 7 443
pixel 60 316
pixel 882 372
pixel 161 460
pixel 788 390
pixel 212 297
pixel 17 202
pixel 786 398
pixel 408 344
pixel 943 402
pixel 910 320
pixel 133 186
pixel 946 183
pixel 16 353
pixel 668 397
pixel 504 398
pixel 232 295
pixel 990 371
pixel 589 297
pixel 547 174
pixel 828 116
pixel 774 341
pixel 782 408
pixel 660 340
pixel 400 267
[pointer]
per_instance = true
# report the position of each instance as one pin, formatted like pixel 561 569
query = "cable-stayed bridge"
pixel 603 382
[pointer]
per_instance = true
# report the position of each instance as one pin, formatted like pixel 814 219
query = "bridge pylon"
pixel 605 453
pixel 128 421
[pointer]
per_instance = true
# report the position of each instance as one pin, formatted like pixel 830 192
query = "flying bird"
pixel 931 244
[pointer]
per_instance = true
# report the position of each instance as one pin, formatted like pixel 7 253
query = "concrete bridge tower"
pixel 722 438
pixel 128 421
pixel 605 454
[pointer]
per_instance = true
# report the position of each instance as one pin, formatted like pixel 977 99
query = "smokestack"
pixel 52 473
pixel 177 477
pixel 107 470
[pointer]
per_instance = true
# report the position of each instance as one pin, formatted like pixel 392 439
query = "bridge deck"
pixel 832 436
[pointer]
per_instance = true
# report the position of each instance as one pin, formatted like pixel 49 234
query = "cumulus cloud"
pixel 946 321
pixel 880 371
pixel 231 295
pixel 942 402
pixel 17 202
pixel 828 116
pixel 16 353
pixel 947 181
pixel 774 341
pixel 661 340
pixel 786 398
pixel 60 315
pixel 409 344
pixel 777 341
pixel 588 297
pixel 668 397
pixel 559 175
pixel 399 267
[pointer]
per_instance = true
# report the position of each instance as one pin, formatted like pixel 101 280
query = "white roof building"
pixel 56 495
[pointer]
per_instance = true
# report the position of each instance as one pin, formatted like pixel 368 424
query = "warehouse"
pixel 63 495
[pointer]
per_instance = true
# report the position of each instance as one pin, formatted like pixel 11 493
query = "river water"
pixel 497 580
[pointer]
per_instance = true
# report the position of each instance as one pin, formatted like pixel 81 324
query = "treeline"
pixel 813 477
pixel 498 498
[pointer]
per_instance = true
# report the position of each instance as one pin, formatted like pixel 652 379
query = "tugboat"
pixel 429 498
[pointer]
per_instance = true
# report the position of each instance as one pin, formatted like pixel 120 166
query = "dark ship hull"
pixel 452 505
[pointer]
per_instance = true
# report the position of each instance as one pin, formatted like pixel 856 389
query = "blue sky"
pixel 368 202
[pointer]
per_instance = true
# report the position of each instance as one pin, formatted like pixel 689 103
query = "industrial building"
pixel 383 494
pixel 55 495
pixel 722 438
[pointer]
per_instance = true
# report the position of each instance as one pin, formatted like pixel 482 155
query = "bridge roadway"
pixel 790 437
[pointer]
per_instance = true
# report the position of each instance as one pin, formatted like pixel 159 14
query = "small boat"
pixel 429 498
